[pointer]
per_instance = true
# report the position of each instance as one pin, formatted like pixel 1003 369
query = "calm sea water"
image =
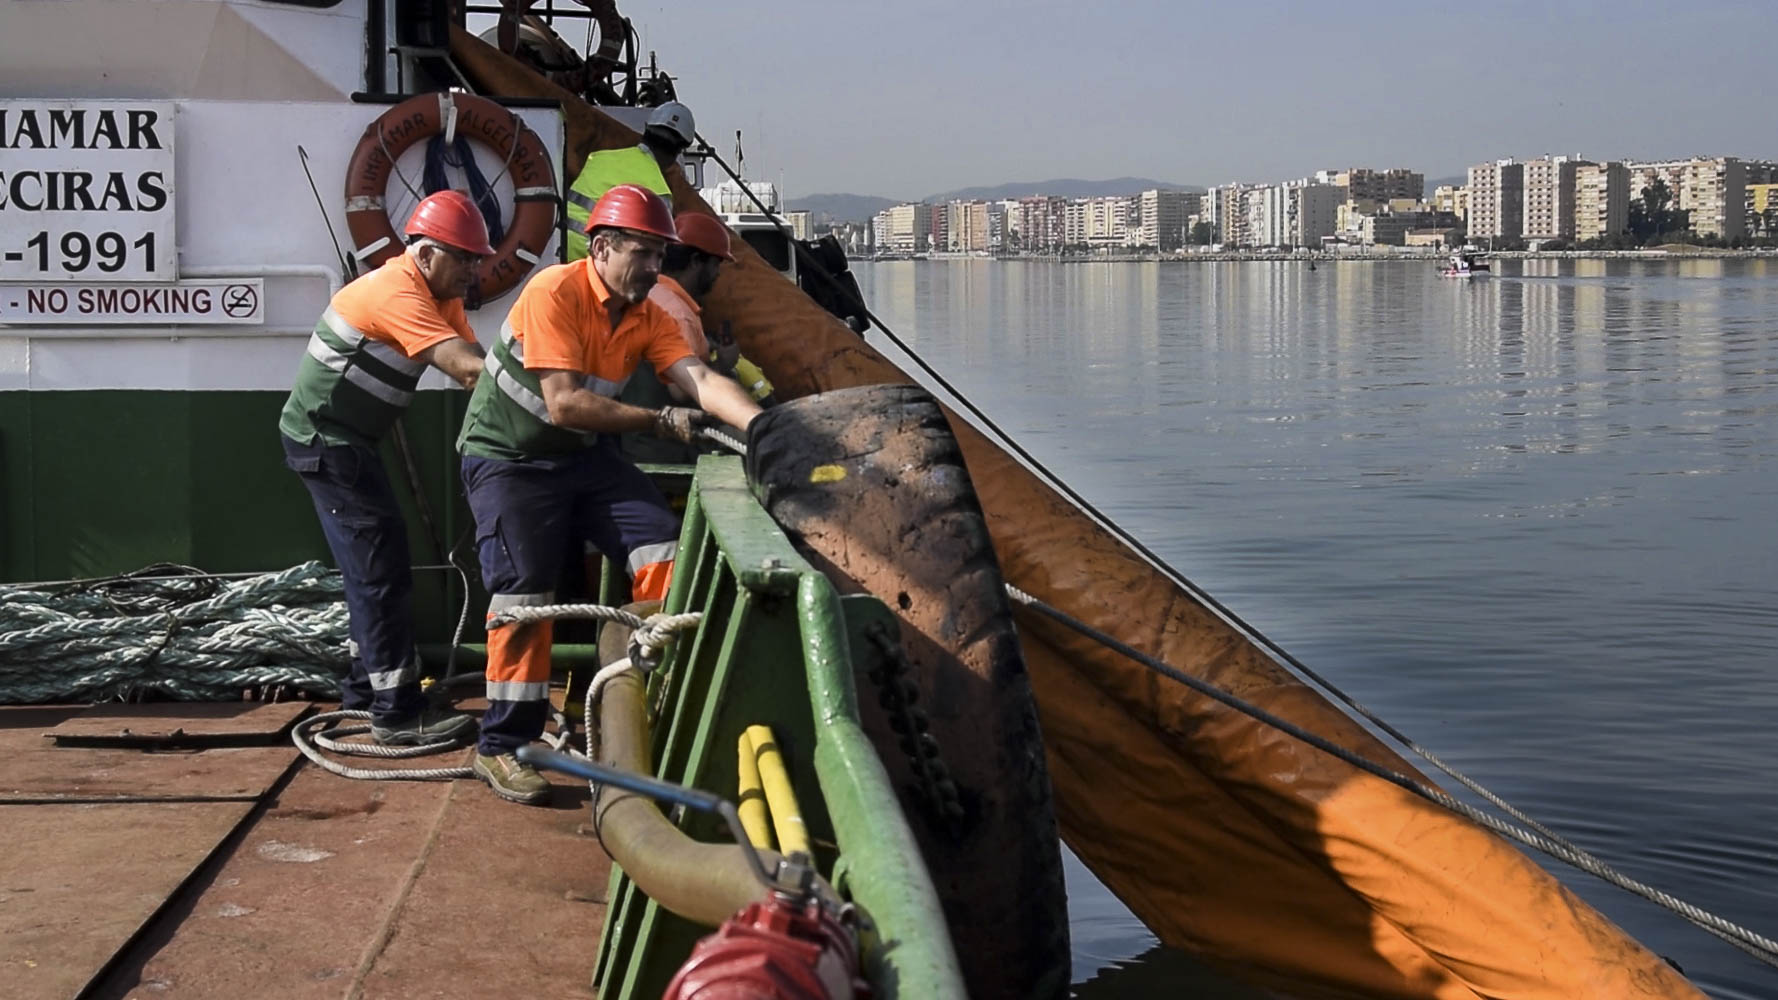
pixel 1527 519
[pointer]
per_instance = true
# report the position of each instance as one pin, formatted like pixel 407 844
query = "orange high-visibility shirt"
pixel 394 305
pixel 561 321
pixel 671 296
pixel 362 365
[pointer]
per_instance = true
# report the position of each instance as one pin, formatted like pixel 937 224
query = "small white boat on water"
pixel 1466 262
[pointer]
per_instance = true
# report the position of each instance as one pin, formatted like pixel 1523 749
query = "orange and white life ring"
pixel 535 194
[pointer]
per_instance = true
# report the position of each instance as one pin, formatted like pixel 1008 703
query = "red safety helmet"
pixel 703 233
pixel 450 218
pixel 628 206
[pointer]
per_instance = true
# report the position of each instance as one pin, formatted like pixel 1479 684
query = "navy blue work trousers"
pixel 530 516
pixel 368 538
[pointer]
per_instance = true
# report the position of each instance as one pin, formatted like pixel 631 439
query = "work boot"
pixel 511 778
pixel 427 727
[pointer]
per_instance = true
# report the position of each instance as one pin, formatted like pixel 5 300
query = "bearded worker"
pixel 541 464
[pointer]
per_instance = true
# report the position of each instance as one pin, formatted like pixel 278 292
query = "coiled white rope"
pixel 323 732
pixel 188 637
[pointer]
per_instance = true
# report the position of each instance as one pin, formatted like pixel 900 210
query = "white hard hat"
pixel 675 119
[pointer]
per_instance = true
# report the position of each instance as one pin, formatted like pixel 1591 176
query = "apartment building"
pixel 1364 184
pixel 905 228
pixel 966 227
pixel 1711 190
pixel 1309 213
pixel 1106 221
pixel 1549 197
pixel 1224 207
pixel 1396 228
pixel 1497 200
pixel 802 224
pixel 1074 222
pixel 1455 200
pixel 1042 223
pixel 1762 210
pixel 1262 216
pixel 1601 200
pixel 1163 217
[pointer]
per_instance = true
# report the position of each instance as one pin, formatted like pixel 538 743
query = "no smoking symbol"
pixel 240 300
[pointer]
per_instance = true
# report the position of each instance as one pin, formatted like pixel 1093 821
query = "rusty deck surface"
pixel 248 872
pixel 181 725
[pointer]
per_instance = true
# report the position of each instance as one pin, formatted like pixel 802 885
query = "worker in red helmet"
pixel 363 364
pixel 540 460
pixel 688 274
pixel 687 277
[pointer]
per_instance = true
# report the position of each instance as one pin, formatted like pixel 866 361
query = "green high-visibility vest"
pixel 350 388
pixel 603 171
pixel 507 418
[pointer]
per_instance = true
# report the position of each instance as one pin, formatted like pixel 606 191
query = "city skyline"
pixel 902 101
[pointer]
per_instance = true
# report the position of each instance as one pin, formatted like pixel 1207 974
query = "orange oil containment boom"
pixel 1266 857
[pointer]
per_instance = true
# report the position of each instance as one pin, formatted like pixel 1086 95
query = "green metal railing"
pixel 777 645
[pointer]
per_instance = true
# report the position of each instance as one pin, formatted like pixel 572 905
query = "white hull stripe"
pixel 320 351
pixel 518 690
pixel 389 680
pixel 506 602
pixel 648 555
pixel 503 379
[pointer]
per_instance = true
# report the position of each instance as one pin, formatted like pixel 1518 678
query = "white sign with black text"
pixel 234 301
pixel 86 191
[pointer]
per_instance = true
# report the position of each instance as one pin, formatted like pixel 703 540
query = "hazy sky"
pixel 910 98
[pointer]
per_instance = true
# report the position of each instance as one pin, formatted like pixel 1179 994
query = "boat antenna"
pixel 347 266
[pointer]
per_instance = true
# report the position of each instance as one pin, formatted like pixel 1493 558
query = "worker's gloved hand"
pixel 680 423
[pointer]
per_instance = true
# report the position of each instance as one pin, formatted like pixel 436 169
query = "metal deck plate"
pixel 33 770
pixel 79 881
pixel 182 724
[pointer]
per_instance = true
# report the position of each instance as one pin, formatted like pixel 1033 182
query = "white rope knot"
pixel 649 641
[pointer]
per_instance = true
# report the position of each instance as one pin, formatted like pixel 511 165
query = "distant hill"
pixel 1434 183
pixel 1067 187
pixel 840 207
